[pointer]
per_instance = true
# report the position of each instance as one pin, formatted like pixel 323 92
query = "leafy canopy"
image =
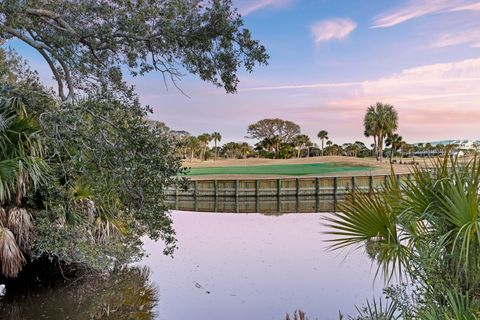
pixel 89 44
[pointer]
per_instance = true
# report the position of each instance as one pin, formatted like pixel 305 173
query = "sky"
pixel 330 60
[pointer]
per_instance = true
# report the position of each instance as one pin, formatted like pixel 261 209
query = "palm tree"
pixel 193 144
pixel 350 149
pixel 216 136
pixel 322 135
pixel 380 121
pixel 426 229
pixel 244 149
pixel 329 146
pixel 429 148
pixel 300 142
pixel 407 149
pixel 204 139
pixel 395 141
pixel 231 150
pixel 21 163
pixel 309 145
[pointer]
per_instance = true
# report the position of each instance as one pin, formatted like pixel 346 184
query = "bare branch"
pixel 41 48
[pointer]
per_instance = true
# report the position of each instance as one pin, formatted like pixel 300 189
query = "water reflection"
pixel 266 205
pixel 228 266
pixel 124 294
pixel 253 266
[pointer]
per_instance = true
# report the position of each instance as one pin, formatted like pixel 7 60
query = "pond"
pixel 228 266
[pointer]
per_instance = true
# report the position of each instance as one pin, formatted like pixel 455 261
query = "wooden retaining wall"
pixel 266 205
pixel 265 187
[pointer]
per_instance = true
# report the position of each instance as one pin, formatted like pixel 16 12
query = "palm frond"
pixel 378 311
pixel 11 258
pixel 21 149
pixel 20 222
pixel 372 220
pixel 3 217
pixel 456 306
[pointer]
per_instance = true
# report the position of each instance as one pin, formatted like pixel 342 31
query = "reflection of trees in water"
pixel 124 294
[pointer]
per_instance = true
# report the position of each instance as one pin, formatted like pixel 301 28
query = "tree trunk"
pixel 380 147
pixel 322 147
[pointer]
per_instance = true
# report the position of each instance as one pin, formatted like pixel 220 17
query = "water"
pixel 228 266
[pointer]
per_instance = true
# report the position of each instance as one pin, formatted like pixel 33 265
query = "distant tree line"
pixel 283 139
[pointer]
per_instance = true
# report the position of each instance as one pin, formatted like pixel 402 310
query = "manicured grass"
pixel 283 170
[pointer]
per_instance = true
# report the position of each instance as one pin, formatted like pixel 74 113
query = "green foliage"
pixel 377 310
pixel 322 135
pixel 87 44
pixel 427 229
pixel 380 121
pixel 216 137
pixel 274 133
pixel 21 150
pixel 109 164
pixel 301 142
pixel 108 167
pixel 116 159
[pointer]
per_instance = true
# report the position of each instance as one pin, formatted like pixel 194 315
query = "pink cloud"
pixel 338 28
pixel 418 8
pixel 469 37
pixel 437 101
pixel 245 7
pixel 434 101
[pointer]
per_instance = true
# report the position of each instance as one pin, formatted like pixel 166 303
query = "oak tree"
pixel 90 44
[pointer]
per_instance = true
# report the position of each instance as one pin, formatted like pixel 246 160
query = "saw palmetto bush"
pixel 11 258
pixel 425 231
pixel 21 165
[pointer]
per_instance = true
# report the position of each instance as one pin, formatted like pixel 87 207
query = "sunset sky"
pixel 329 60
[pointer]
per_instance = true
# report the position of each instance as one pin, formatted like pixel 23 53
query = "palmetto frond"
pixel 372 220
pixel 11 258
pixel 455 307
pixel 20 150
pixel 21 165
pixel 3 217
pixel 20 222
pixel 378 310
pixel 436 212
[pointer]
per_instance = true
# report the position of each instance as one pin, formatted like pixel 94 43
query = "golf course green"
pixel 280 170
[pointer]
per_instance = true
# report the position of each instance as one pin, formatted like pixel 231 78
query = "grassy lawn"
pixel 281 170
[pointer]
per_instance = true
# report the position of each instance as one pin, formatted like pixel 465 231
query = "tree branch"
pixel 41 47
pixel 63 25
pixel 55 73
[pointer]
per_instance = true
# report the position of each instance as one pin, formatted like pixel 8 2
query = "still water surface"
pixel 228 266
pixel 256 267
